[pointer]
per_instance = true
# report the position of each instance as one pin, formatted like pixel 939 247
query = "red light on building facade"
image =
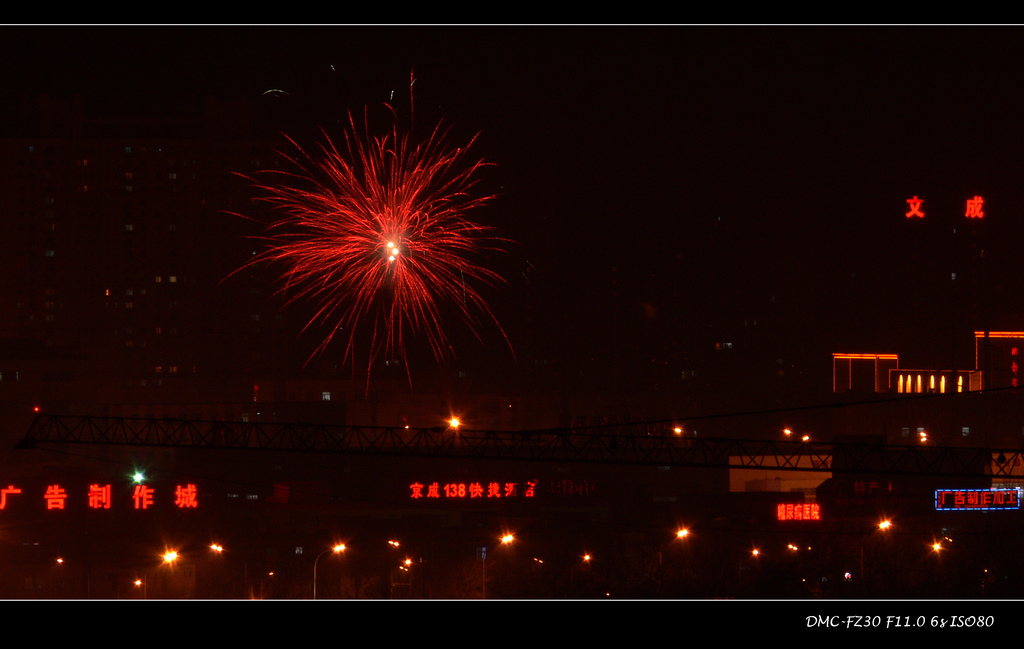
pixel 6 492
pixel 974 208
pixel 798 512
pixel 915 207
pixel 99 496
pixel 143 496
pixel 976 499
pixel 185 496
pixel 472 490
pixel 55 497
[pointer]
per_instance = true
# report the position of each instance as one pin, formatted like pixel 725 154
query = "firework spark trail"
pixel 375 233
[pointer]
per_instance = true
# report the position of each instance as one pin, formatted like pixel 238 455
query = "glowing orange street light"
pixel 936 547
pixel 454 423
pixel 508 538
pixel 683 533
pixel 884 525
pixel 337 549
pixel 216 547
pixel 170 556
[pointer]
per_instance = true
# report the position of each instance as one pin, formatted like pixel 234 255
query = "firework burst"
pixel 375 234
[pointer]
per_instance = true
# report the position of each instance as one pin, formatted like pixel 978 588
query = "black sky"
pixel 659 181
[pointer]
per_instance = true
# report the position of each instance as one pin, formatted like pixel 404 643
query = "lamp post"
pixel 337 549
pixel 506 539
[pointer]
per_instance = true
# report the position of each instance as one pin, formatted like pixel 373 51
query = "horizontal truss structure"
pixel 605 445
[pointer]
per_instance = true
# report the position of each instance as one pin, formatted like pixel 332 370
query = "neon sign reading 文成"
pixel 976 499
pixel 472 490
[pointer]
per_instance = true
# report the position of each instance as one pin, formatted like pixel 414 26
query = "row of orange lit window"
pixel 99 496
pixel 910 387
pixel 472 490
pixel 797 512
pixel 974 207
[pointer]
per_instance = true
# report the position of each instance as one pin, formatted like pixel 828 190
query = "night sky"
pixel 665 187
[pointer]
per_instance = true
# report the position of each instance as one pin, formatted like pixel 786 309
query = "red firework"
pixel 376 235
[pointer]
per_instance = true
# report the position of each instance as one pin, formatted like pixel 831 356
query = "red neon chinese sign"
pixel 1013 366
pixel 6 492
pixel 915 207
pixel 472 490
pixel 185 496
pixel 55 497
pixel 976 499
pixel 798 512
pixel 974 208
pixel 143 496
pixel 100 496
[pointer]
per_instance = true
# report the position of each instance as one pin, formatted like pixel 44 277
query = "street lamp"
pixel 337 549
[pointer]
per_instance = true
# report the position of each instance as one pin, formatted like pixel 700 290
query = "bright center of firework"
pixel 391 251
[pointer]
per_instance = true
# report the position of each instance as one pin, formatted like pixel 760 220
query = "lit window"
pixel 966 430
pixel 326 396
pixel 172 279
